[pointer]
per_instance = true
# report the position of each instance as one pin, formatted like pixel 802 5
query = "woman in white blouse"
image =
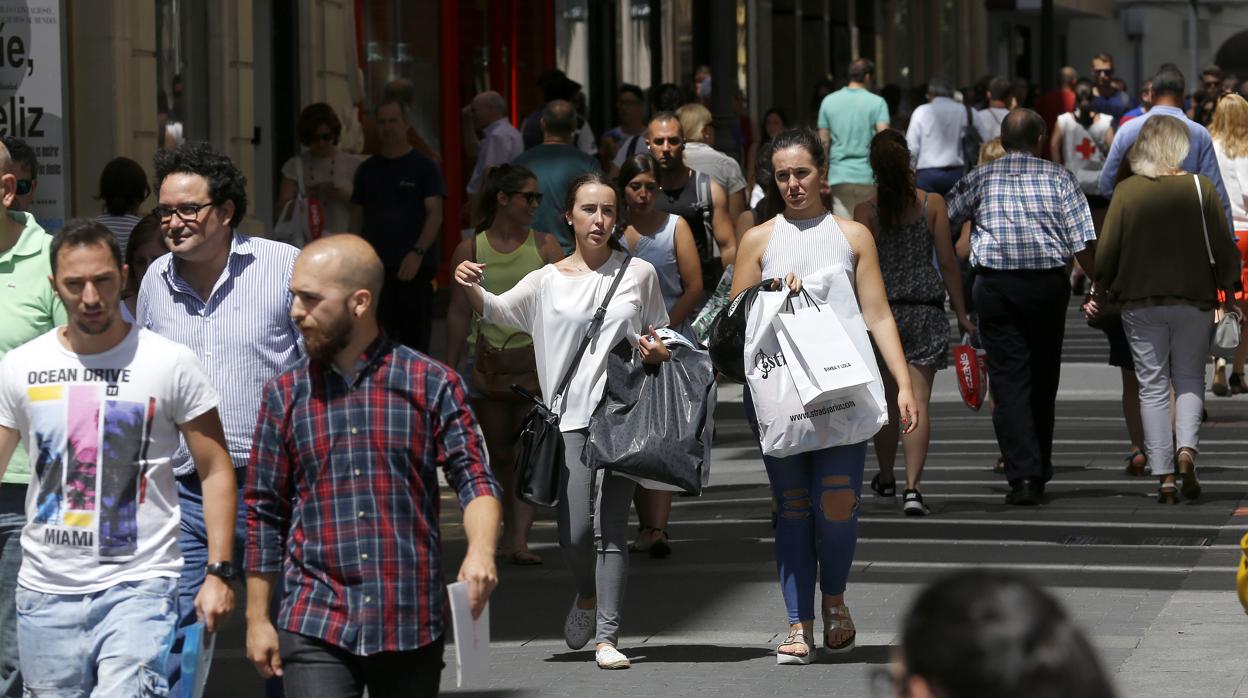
pixel 555 304
pixel 1230 142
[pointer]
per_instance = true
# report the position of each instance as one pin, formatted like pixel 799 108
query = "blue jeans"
pixel 817 498
pixel 193 540
pixel 12 520
pixel 109 643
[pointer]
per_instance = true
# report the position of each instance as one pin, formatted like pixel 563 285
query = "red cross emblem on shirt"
pixel 1085 148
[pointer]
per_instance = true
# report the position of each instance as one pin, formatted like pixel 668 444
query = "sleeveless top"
pixel 502 272
pixel 807 246
pixel 1083 149
pixel 683 202
pixel 659 249
pixel 906 252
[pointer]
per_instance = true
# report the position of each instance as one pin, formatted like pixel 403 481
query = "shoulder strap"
pixel 594 326
pixel 632 146
pixel 474 246
pixel 706 204
pixel 926 196
pixel 1200 201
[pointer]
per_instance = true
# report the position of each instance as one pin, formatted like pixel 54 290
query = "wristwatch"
pixel 224 570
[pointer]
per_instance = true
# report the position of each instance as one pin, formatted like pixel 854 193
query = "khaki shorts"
pixel 846 196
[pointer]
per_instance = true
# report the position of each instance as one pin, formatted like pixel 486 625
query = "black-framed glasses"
pixel 533 197
pixel 24 186
pixel 189 213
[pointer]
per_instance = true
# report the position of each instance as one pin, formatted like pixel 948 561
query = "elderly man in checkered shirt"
pixel 1029 218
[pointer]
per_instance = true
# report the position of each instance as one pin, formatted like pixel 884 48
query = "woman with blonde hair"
pixel 1153 259
pixel 1230 142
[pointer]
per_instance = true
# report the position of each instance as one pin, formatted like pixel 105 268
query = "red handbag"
pixel 972 371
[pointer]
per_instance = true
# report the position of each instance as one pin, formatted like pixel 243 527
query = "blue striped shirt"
pixel 243 334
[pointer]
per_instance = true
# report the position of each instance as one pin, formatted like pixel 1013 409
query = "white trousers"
pixel 1170 345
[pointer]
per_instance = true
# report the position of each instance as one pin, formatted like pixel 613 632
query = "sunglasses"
pixel 24 186
pixel 533 197
pixel 1103 71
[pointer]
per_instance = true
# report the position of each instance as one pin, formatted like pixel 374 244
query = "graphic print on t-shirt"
pixel 90 462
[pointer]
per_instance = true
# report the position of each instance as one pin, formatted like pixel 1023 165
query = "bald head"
pixel 346 261
pixel 1068 76
pixel 1021 131
pixel 558 119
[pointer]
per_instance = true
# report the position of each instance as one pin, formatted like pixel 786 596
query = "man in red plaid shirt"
pixel 342 495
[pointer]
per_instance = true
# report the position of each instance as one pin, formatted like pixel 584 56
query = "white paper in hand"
pixel 472 638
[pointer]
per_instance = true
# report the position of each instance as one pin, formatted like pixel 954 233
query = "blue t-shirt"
pixel 1117 105
pixel 392 192
pixel 556 165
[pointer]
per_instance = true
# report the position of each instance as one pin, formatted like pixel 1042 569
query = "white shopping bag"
pixel 821 357
pixel 786 425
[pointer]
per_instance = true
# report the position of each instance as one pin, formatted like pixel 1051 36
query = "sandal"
pixel 1186 462
pixel 881 489
pixel 658 548
pixel 1220 388
pixel 1236 383
pixel 795 637
pixel 837 618
pixel 1140 468
pixel 1168 494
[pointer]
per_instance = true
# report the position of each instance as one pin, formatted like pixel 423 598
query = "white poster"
pixel 32 99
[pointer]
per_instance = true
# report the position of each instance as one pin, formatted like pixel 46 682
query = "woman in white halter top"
pixel 817 492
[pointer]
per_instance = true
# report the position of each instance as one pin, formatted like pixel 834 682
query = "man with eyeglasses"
pixel 24 166
pixel 227 297
pixel 397 207
pixel 30 308
pixel 556 162
pixel 500 142
pixel 1109 99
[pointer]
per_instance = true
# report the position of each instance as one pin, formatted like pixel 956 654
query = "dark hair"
pixel 20 151
pixel 764 175
pixel 666 116
pixel 560 87
pixel 667 98
pixel 1212 69
pixel 225 181
pixel 784 119
pixel 1021 129
pixel 999 88
pixel 803 138
pixel 631 89
pixel 123 186
pixel 986 633
pixel 505 178
pixel 860 69
pixel 1104 58
pixel 586 179
pixel 894 179
pixel 79 232
pixel 559 118
pixel 1083 104
pixel 147 229
pixel 1169 81
pixel 639 163
pixel 313 117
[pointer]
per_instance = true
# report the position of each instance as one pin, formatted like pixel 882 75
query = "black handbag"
pixel 540 458
pixel 651 422
pixel 726 340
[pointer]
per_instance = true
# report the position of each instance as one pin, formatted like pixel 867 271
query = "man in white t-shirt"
pixel 100 404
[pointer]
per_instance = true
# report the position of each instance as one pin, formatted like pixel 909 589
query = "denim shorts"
pixel 111 642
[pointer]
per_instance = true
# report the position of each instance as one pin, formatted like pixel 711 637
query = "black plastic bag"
pixel 652 420
pixel 726 341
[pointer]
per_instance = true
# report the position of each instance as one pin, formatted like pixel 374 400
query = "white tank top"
pixel 1083 149
pixel 807 246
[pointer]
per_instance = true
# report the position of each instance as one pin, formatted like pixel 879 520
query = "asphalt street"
pixel 1152 585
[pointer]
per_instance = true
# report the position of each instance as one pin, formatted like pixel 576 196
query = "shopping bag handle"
pixel 810 301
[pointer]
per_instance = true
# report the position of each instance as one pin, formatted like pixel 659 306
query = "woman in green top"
pixel 1153 257
pixel 510 250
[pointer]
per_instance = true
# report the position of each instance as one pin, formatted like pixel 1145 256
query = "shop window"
pixel 182 75
pixel 401 42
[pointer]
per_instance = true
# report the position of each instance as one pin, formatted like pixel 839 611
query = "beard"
pixel 323 344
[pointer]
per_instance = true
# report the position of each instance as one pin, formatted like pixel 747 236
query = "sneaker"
pixel 914 505
pixel 609 657
pixel 579 626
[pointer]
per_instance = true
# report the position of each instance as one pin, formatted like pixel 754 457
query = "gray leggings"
pixel 585 520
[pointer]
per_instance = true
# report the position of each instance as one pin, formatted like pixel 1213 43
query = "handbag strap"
pixel 1200 199
pixel 299 174
pixel 594 326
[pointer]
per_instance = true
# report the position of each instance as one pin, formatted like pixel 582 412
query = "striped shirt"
pixel 807 246
pixel 342 495
pixel 242 333
pixel 120 227
pixel 1026 213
